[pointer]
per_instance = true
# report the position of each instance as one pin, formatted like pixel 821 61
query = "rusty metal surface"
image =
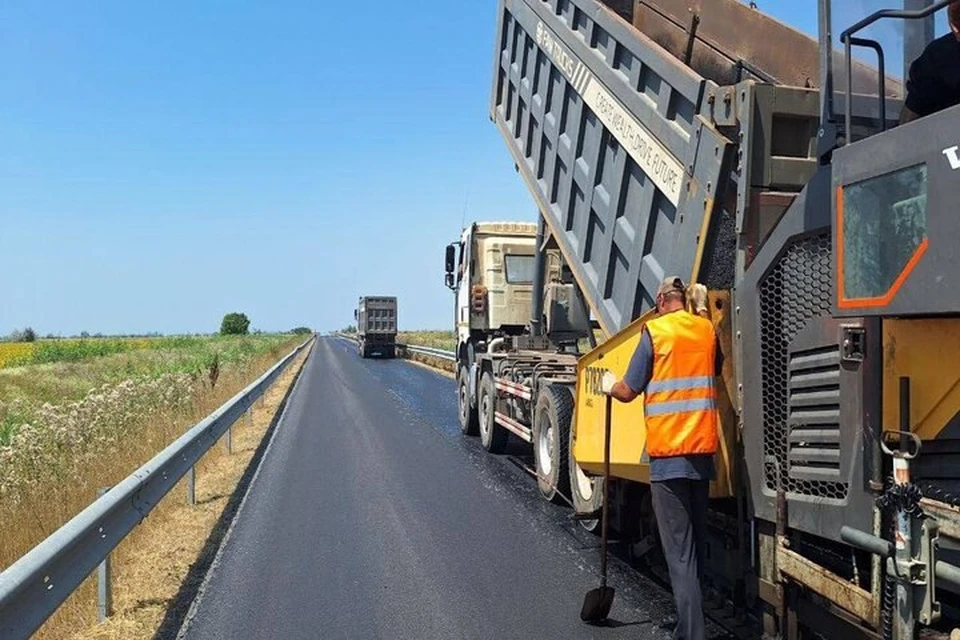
pixel 835 589
pixel 948 517
pixel 730 31
pixel 769 592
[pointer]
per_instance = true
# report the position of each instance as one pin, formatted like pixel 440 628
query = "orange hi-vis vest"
pixel 680 399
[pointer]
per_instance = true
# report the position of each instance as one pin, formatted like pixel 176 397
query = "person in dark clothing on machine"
pixel 934 82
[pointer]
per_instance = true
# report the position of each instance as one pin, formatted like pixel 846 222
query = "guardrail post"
pixel 250 415
pixel 229 439
pixel 192 486
pixel 104 590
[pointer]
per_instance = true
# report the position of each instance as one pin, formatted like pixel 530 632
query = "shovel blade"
pixel 597 604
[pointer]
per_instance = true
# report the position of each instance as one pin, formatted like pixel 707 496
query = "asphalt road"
pixel 372 517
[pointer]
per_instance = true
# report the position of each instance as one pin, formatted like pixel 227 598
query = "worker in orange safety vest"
pixel 674 367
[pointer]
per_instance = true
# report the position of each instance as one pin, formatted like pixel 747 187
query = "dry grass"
pixel 51 471
pixel 152 579
pixel 436 339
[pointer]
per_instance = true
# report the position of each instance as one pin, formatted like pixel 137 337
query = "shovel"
pixel 597 602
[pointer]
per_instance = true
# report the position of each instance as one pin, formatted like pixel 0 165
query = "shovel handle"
pixel 606 492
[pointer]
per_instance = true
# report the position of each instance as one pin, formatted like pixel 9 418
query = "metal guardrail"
pixel 33 587
pixel 430 351
pixel 443 354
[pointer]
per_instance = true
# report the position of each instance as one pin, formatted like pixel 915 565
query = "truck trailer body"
pixel 376 326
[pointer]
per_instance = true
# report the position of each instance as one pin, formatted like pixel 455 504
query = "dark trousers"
pixel 681 509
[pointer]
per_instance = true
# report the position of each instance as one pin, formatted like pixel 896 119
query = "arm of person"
pixel 638 373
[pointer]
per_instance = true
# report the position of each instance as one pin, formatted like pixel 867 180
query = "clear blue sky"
pixel 164 163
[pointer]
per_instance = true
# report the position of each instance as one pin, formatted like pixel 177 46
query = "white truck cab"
pixel 491 271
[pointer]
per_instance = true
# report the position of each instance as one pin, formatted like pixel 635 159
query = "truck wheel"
pixel 492 437
pixel 586 492
pixel 551 440
pixel 468 415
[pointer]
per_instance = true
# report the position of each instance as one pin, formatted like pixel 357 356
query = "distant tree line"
pixel 22 335
pixel 232 324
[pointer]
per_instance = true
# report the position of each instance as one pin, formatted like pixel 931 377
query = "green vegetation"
pixel 47 351
pixel 436 339
pixel 68 371
pixel 301 331
pixel 235 324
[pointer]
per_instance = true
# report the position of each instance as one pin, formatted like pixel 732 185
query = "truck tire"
pixel 586 492
pixel 469 425
pixel 493 437
pixel 551 441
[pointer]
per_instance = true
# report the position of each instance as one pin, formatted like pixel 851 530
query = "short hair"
pixel 675 295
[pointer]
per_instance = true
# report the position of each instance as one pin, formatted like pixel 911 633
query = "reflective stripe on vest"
pixel 680 399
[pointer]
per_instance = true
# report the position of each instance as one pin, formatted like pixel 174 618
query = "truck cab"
pixel 491 270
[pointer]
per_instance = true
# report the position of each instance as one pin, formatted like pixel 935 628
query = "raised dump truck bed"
pixel 640 156
pixel 604 127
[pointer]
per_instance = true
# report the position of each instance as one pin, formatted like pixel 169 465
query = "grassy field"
pixel 436 339
pixel 17 354
pixel 68 427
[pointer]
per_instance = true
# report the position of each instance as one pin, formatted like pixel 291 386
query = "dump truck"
pixel 704 138
pixel 376 318
pixel 507 375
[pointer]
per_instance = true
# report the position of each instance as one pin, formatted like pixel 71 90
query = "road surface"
pixel 372 517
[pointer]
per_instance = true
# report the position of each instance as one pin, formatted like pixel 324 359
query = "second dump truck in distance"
pixel 376 318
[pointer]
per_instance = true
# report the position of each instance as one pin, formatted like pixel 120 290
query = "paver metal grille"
pixel 801 388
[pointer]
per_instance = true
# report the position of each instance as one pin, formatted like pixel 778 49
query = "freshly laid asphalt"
pixel 372 517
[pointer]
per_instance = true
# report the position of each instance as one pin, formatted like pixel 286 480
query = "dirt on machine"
pixel 706 139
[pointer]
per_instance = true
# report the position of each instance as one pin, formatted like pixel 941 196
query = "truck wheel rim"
pixel 462 397
pixel 484 413
pixel 584 483
pixel 545 444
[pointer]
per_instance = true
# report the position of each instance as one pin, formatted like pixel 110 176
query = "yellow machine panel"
pixel 926 350
pixel 628 456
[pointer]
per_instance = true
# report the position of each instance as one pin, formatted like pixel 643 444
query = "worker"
pixel 674 366
pixel 934 80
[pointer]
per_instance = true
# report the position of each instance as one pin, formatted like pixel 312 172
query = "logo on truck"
pixel 653 158
pixel 953 156
pixel 593 380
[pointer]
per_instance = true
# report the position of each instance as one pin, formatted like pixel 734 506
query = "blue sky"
pixel 163 163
